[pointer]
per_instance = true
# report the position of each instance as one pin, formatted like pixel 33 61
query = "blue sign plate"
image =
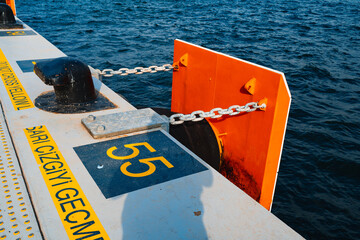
pixel 16 33
pixel 28 65
pixel 127 164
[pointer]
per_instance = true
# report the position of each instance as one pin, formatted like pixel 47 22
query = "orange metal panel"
pixel 11 3
pixel 187 77
pixel 275 144
pixel 252 141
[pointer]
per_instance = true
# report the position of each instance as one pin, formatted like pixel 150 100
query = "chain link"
pixel 137 70
pixel 180 118
pixel 199 115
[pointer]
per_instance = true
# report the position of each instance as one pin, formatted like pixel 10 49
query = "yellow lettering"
pixel 78 217
pixel 147 161
pixel 66 194
pixel 53 166
pixel 70 215
pixel 42 147
pixel 132 146
pixel 16 92
pixel 72 203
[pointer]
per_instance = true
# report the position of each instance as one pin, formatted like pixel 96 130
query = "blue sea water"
pixel 315 43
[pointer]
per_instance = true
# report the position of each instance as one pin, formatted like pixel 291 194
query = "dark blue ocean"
pixel 315 43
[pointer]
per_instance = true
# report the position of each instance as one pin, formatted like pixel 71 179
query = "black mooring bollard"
pixel 70 77
pixel 7 19
pixel 6 14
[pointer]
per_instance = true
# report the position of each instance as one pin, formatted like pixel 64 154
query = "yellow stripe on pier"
pixel 18 96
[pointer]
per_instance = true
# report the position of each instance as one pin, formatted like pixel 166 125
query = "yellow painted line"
pixel 77 215
pixel 18 96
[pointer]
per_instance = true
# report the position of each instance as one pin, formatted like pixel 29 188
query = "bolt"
pixel 90 118
pixel 100 128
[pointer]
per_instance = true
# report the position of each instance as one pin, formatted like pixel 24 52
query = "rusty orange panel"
pixel 252 141
pixel 11 3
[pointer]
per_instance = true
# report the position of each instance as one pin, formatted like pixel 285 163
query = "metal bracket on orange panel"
pixel 182 62
pixel 11 3
pixel 253 141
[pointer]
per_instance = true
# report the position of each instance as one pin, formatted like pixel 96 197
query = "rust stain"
pixel 236 173
pixel 198 213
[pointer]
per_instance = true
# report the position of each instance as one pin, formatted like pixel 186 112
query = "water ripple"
pixel 315 43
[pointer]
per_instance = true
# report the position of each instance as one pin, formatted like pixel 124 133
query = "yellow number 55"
pixel 16 33
pixel 147 161
pixel 132 146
